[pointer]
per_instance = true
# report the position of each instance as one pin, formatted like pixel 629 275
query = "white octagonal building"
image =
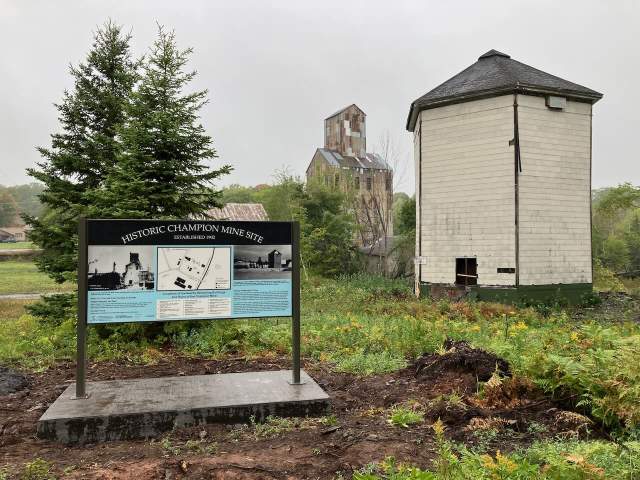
pixel 503 184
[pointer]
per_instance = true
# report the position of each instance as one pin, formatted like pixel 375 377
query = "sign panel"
pixel 162 270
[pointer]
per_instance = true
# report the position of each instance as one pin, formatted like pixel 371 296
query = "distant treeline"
pixel 616 214
pixel 616 229
pixel 19 200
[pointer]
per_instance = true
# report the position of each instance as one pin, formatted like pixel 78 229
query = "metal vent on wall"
pixel 556 103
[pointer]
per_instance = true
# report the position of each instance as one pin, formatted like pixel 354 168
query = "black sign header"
pixel 185 232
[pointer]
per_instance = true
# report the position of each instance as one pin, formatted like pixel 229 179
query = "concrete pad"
pixel 145 408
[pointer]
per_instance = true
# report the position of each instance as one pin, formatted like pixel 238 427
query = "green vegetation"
pixel 37 469
pixel 163 158
pixel 325 215
pixel 11 310
pixel 18 200
pixel 24 277
pixel 90 115
pixel 560 460
pixel 402 416
pixel 16 246
pixel 616 235
pixel 274 426
pixel 368 325
pixel 129 144
pixel 201 446
pixel 543 461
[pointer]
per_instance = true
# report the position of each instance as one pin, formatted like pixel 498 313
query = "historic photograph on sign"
pixel 258 262
pixel 194 268
pixel 120 267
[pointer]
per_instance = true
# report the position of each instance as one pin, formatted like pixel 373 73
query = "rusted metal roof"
pixel 343 109
pixel 239 211
pixel 15 230
pixel 369 160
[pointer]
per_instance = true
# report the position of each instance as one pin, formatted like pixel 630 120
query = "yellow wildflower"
pixel 438 427
pixel 505 462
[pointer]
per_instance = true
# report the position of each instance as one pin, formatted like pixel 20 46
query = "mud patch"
pixel 461 357
pixel 357 433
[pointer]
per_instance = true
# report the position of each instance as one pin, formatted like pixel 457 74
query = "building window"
pixel 337 180
pixel 369 183
pixel 466 271
pixel 388 183
pixel 326 180
pixel 357 183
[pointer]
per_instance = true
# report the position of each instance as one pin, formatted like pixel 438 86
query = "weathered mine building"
pixel 503 183
pixel 366 178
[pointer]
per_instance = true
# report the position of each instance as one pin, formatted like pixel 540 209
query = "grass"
pixel 273 426
pixel 24 277
pixel 366 325
pixel 570 460
pixel 201 446
pixel 401 416
pixel 16 246
pixel 37 469
pixel 12 310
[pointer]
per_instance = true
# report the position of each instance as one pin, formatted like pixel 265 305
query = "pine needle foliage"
pixel 163 170
pixel 84 150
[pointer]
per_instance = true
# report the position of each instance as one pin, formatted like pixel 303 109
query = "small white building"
pixel 503 183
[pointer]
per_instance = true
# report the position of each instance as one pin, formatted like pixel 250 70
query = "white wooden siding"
pixel 555 192
pixel 468 206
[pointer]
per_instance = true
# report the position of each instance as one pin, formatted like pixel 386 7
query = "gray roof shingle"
pixel 496 73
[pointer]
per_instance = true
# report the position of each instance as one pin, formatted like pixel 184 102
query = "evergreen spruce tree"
pixel 162 172
pixel 84 150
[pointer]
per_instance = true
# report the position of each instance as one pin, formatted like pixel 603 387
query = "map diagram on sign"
pixel 195 268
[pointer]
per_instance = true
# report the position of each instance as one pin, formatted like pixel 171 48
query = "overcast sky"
pixel 275 70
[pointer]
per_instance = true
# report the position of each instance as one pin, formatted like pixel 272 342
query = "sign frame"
pixel 82 323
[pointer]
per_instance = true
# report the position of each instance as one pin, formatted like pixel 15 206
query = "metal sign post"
pixel 295 299
pixel 83 267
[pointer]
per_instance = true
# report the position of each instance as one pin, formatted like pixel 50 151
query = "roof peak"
pixel 493 53
pixel 343 109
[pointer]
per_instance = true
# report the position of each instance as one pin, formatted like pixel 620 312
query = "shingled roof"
pixel 496 73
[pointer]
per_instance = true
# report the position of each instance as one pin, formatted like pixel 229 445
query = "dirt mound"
pixel 11 381
pixel 459 356
pixel 508 393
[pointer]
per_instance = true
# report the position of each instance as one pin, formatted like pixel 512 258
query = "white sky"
pixel 276 69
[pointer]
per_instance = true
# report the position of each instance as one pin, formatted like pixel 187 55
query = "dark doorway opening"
pixel 466 271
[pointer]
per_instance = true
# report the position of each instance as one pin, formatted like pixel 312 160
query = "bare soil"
pixel 509 414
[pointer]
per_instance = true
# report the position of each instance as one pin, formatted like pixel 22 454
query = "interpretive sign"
pixel 147 270
pixel 168 270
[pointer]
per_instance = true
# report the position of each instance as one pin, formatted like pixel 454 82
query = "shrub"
pixel 599 367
